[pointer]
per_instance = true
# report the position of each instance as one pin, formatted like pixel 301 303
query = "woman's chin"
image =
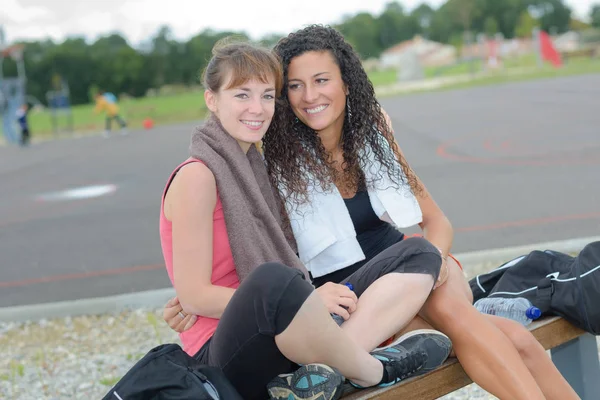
pixel 317 126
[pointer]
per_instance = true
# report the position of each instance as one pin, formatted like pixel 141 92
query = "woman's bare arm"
pixel 189 205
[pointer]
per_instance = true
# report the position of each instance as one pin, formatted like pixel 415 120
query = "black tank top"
pixel 373 234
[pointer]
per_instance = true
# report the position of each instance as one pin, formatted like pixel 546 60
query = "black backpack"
pixel 168 373
pixel 556 283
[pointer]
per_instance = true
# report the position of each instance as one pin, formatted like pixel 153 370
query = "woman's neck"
pixel 331 138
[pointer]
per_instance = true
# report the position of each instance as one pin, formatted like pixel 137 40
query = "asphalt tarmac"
pixel 509 165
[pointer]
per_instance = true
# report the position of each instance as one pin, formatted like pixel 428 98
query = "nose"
pixel 310 94
pixel 255 106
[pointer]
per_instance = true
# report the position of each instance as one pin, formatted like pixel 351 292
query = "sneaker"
pixel 400 363
pixel 310 382
pixel 437 346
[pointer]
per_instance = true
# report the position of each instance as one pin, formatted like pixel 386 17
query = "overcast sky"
pixel 139 19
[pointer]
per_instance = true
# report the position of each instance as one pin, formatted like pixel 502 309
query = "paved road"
pixel 510 165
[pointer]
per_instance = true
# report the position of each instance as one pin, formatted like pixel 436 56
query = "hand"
pixel 443 276
pixel 172 314
pixel 338 299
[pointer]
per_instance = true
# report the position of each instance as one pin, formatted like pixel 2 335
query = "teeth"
pixel 316 109
pixel 252 123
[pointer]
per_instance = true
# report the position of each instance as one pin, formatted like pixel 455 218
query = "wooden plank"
pixel 446 379
pixel 554 331
pixel 550 332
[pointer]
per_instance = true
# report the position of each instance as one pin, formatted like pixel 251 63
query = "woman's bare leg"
pixel 313 337
pixel 549 379
pixel 388 305
pixel 484 351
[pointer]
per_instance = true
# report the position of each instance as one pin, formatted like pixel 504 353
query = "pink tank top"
pixel 223 274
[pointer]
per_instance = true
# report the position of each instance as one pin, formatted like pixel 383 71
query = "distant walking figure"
pixel 107 102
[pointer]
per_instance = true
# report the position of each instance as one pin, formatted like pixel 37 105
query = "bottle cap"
pixel 533 313
pixel 350 286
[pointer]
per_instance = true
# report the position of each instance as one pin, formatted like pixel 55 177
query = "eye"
pixel 293 86
pixel 241 96
pixel 321 80
pixel 269 96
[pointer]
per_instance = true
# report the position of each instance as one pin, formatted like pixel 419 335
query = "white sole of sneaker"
pixel 313 391
pixel 409 335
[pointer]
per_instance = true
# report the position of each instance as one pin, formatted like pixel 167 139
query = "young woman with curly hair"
pixel 348 189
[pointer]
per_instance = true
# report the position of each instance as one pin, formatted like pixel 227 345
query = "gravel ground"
pixel 83 357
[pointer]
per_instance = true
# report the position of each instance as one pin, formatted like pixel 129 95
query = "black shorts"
pixel 410 255
pixel 243 345
pixel 414 255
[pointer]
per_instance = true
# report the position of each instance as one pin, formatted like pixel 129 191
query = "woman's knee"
pixel 272 273
pixel 523 340
pixel 275 292
pixel 447 311
pixel 272 281
pixel 420 245
pixel 417 255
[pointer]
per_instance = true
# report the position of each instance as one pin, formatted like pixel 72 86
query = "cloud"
pixel 17 13
pixel 138 20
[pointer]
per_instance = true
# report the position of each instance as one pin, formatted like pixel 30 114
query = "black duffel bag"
pixel 555 282
pixel 168 373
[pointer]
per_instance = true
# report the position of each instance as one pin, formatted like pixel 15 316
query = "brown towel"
pixel 252 213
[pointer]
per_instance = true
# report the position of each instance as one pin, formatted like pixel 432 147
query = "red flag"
pixel 548 50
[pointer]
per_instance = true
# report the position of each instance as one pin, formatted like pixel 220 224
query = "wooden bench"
pixel 573 350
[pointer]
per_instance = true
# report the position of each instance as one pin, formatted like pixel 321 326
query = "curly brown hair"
pixel 292 149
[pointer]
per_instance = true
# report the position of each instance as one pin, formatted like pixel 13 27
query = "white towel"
pixel 323 228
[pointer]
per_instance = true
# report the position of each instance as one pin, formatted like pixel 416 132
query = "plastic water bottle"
pixel 338 318
pixel 518 309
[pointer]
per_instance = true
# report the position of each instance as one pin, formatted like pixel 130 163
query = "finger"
pixel 174 322
pixel 342 312
pixel 170 313
pixel 190 322
pixel 172 302
pixel 348 303
pixel 347 292
pixel 183 323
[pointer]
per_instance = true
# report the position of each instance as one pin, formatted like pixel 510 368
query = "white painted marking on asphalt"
pixel 79 193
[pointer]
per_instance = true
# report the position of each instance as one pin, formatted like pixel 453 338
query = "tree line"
pixel 112 64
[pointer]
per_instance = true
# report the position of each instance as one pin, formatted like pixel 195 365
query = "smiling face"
pixel 245 111
pixel 316 91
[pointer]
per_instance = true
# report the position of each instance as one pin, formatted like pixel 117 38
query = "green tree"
pixel 554 15
pixel 490 26
pixel 525 25
pixel 506 13
pixel 395 26
pixel 464 12
pixel 423 14
pixel 595 15
pixel 578 25
pixel 363 31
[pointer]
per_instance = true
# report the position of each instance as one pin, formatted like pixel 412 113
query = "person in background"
pixel 22 114
pixel 107 102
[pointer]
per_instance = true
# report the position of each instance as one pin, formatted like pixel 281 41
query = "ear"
pixel 210 98
pixel 346 90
